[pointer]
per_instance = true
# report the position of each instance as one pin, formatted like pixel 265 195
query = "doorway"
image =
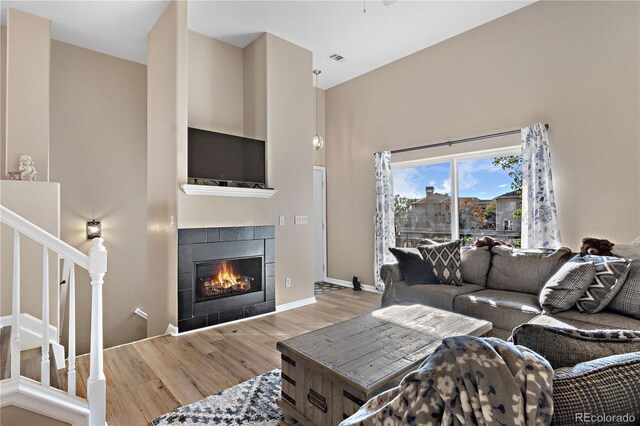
pixel 320 224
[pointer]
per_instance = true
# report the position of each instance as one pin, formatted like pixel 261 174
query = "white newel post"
pixel 97 386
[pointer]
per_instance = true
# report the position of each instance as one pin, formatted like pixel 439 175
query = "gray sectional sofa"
pixel 501 288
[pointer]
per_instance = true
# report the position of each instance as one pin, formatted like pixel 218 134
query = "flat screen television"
pixel 226 158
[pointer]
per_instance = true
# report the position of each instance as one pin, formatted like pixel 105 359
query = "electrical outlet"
pixel 287 282
pixel 281 220
pixel 301 220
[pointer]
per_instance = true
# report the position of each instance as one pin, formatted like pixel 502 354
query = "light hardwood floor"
pixel 151 377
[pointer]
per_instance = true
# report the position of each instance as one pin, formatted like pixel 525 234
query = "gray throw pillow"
pixel 566 286
pixel 415 269
pixel 627 301
pixel 445 261
pixel 564 347
pixel 474 264
pixel 606 389
pixel 611 272
pixel 524 271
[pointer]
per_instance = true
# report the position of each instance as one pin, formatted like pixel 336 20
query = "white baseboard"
pixel 296 304
pixel 343 283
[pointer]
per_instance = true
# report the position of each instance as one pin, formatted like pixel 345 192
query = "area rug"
pixel 322 287
pixel 250 403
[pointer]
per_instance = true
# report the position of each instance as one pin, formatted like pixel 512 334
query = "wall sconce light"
pixel 94 229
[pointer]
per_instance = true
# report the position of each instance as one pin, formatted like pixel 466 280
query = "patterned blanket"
pixel 471 381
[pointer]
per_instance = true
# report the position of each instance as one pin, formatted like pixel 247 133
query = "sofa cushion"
pixel 566 286
pixel 445 260
pixel 414 268
pixel 474 264
pixel 524 271
pixel 611 273
pixel 505 309
pixel 627 301
pixel 564 347
pixel 435 295
pixel 601 320
pixel 602 387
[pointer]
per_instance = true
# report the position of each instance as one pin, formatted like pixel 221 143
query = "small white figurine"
pixel 27 169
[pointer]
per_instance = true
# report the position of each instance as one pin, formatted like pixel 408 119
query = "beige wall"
pixel 27 90
pixel 255 88
pixel 16 416
pixel 39 203
pixel 166 130
pixel 215 84
pixel 98 155
pixel 3 100
pixel 319 155
pixel 289 120
pixel 574 65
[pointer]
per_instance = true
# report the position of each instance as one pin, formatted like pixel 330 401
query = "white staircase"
pixel 40 396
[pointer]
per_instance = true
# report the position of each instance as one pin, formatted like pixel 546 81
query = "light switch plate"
pixel 301 220
pixel 281 220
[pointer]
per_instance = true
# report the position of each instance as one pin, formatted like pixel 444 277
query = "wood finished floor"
pixel 149 378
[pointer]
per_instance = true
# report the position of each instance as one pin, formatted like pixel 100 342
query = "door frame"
pixel 323 170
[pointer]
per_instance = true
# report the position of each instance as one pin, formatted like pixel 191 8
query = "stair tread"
pixel 30 361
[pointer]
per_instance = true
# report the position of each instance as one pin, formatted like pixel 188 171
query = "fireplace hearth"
pixel 224 274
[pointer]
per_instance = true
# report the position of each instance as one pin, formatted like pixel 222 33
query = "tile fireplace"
pixel 224 274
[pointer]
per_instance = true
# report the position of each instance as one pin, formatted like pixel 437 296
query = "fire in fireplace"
pixel 222 278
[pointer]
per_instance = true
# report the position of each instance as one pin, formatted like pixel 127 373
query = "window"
pixel 466 196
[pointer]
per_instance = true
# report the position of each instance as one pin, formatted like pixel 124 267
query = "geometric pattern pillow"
pixel 567 285
pixel 611 272
pixel 445 260
pixel 627 301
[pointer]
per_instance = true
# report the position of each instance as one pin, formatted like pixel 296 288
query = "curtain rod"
pixel 450 143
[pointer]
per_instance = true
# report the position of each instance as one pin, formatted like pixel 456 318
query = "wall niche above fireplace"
pixel 224 274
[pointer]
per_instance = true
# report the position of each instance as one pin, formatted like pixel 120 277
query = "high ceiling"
pixel 366 40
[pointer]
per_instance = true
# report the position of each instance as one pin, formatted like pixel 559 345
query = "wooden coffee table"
pixel 329 373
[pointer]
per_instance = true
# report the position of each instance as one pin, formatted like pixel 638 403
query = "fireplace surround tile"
pixel 264 232
pixel 237 233
pixel 184 281
pixel 192 236
pixel 192 323
pixel 270 269
pixel 192 243
pixel 213 235
pixel 270 250
pixel 270 282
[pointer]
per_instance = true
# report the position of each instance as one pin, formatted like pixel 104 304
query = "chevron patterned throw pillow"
pixel 611 273
pixel 445 260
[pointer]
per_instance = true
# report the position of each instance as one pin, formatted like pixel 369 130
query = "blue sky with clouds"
pixel 477 178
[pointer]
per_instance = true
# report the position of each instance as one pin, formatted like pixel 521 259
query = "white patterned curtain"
pixel 539 215
pixel 384 236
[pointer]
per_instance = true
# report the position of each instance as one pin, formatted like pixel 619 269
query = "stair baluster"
pixel 15 328
pixel 44 370
pixel 71 376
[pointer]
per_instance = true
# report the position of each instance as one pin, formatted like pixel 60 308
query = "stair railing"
pixel 96 265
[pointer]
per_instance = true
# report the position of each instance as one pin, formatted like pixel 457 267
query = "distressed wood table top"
pixel 372 349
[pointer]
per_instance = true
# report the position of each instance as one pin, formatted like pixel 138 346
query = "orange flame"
pixel 227 276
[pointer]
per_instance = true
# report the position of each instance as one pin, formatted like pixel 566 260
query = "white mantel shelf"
pixel 227 191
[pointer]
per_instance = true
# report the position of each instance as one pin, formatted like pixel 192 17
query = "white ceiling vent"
pixel 336 57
